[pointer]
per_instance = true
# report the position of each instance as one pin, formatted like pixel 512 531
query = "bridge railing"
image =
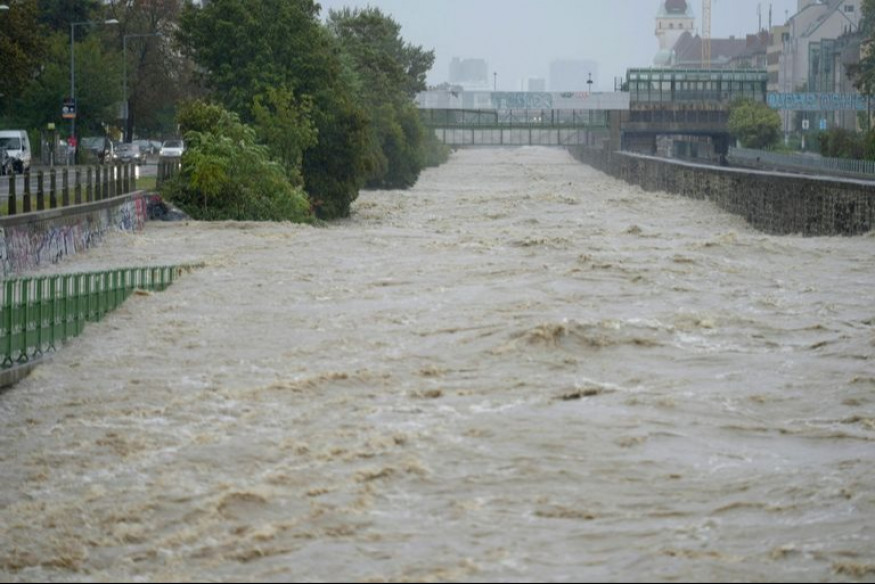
pixel 865 168
pixel 38 314
pixel 64 187
pixel 514 118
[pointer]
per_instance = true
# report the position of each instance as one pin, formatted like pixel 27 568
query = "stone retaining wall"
pixel 776 203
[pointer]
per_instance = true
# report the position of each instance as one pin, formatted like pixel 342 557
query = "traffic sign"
pixel 68 110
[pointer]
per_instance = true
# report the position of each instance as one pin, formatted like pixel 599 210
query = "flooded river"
pixel 519 370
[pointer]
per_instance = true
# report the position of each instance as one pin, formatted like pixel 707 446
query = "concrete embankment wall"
pixel 776 203
pixel 35 239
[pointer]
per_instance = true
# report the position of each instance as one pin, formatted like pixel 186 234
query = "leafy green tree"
pixel 285 124
pixel 245 48
pixel 390 73
pixel 755 124
pixel 863 73
pixel 227 176
pixel 98 86
pixel 159 74
pixel 334 171
pixel 23 46
pixel 58 14
pixel 840 143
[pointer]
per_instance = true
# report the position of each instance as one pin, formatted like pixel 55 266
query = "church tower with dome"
pixel 675 17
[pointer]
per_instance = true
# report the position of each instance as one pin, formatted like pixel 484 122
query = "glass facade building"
pixel 696 86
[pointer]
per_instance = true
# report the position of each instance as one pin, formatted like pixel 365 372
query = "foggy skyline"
pixel 520 38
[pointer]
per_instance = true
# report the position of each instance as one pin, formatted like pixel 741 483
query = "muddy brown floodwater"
pixel 519 370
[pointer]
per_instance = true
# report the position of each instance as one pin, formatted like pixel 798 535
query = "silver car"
pixel 172 149
pixel 128 153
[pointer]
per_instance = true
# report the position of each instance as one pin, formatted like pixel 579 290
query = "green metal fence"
pixel 38 314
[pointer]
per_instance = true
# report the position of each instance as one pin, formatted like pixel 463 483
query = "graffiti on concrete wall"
pixel 522 100
pixel 27 246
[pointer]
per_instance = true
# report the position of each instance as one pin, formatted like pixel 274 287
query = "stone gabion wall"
pixel 775 203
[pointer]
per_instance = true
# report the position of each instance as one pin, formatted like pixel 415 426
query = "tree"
pixel 755 124
pixel 39 71
pixel 840 143
pixel 98 86
pixel 389 72
pixel 226 175
pixel 285 124
pixel 158 76
pixel 245 48
pixel 58 14
pixel 863 73
pixel 23 46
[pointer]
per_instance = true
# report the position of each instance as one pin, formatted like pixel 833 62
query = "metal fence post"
pixel 40 191
pixel 12 195
pixel 26 196
pixel 53 189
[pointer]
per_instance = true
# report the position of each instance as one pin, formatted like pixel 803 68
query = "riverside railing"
pixel 38 314
pixel 66 186
pixel 865 168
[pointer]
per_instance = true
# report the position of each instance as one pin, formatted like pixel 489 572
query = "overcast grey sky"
pixel 519 38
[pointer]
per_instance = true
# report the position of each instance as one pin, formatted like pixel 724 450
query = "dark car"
pixel 128 153
pixel 98 148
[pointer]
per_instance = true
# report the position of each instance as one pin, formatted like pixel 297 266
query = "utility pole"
pixel 706 34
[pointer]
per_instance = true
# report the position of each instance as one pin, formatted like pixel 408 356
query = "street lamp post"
pixel 73 26
pixel 127 130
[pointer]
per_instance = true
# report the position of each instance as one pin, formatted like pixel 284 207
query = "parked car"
pixel 128 153
pixel 149 147
pixel 17 146
pixel 172 148
pixel 99 148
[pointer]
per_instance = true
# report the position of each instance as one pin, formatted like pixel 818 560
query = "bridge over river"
pixel 673 112
pixel 516 127
pixel 521 369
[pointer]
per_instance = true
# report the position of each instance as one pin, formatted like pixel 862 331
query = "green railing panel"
pixel 38 314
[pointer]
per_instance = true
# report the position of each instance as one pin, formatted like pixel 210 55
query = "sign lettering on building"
pixel 818 102
pixel 522 100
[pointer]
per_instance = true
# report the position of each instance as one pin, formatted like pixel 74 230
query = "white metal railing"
pixel 804 162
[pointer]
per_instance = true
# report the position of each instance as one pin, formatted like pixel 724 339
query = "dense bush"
pixel 227 176
pixel 755 124
pixel 841 143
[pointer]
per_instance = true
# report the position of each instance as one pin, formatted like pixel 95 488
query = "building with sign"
pixel 814 58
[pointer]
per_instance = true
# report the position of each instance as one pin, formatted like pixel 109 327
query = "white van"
pixel 17 146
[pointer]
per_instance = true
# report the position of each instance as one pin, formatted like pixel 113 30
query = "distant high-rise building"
pixel 572 75
pixel 536 84
pixel 470 74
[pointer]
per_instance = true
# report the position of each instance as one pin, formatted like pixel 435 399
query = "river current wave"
pixel 521 369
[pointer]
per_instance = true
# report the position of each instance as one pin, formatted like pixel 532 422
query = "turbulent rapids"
pixel 519 370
